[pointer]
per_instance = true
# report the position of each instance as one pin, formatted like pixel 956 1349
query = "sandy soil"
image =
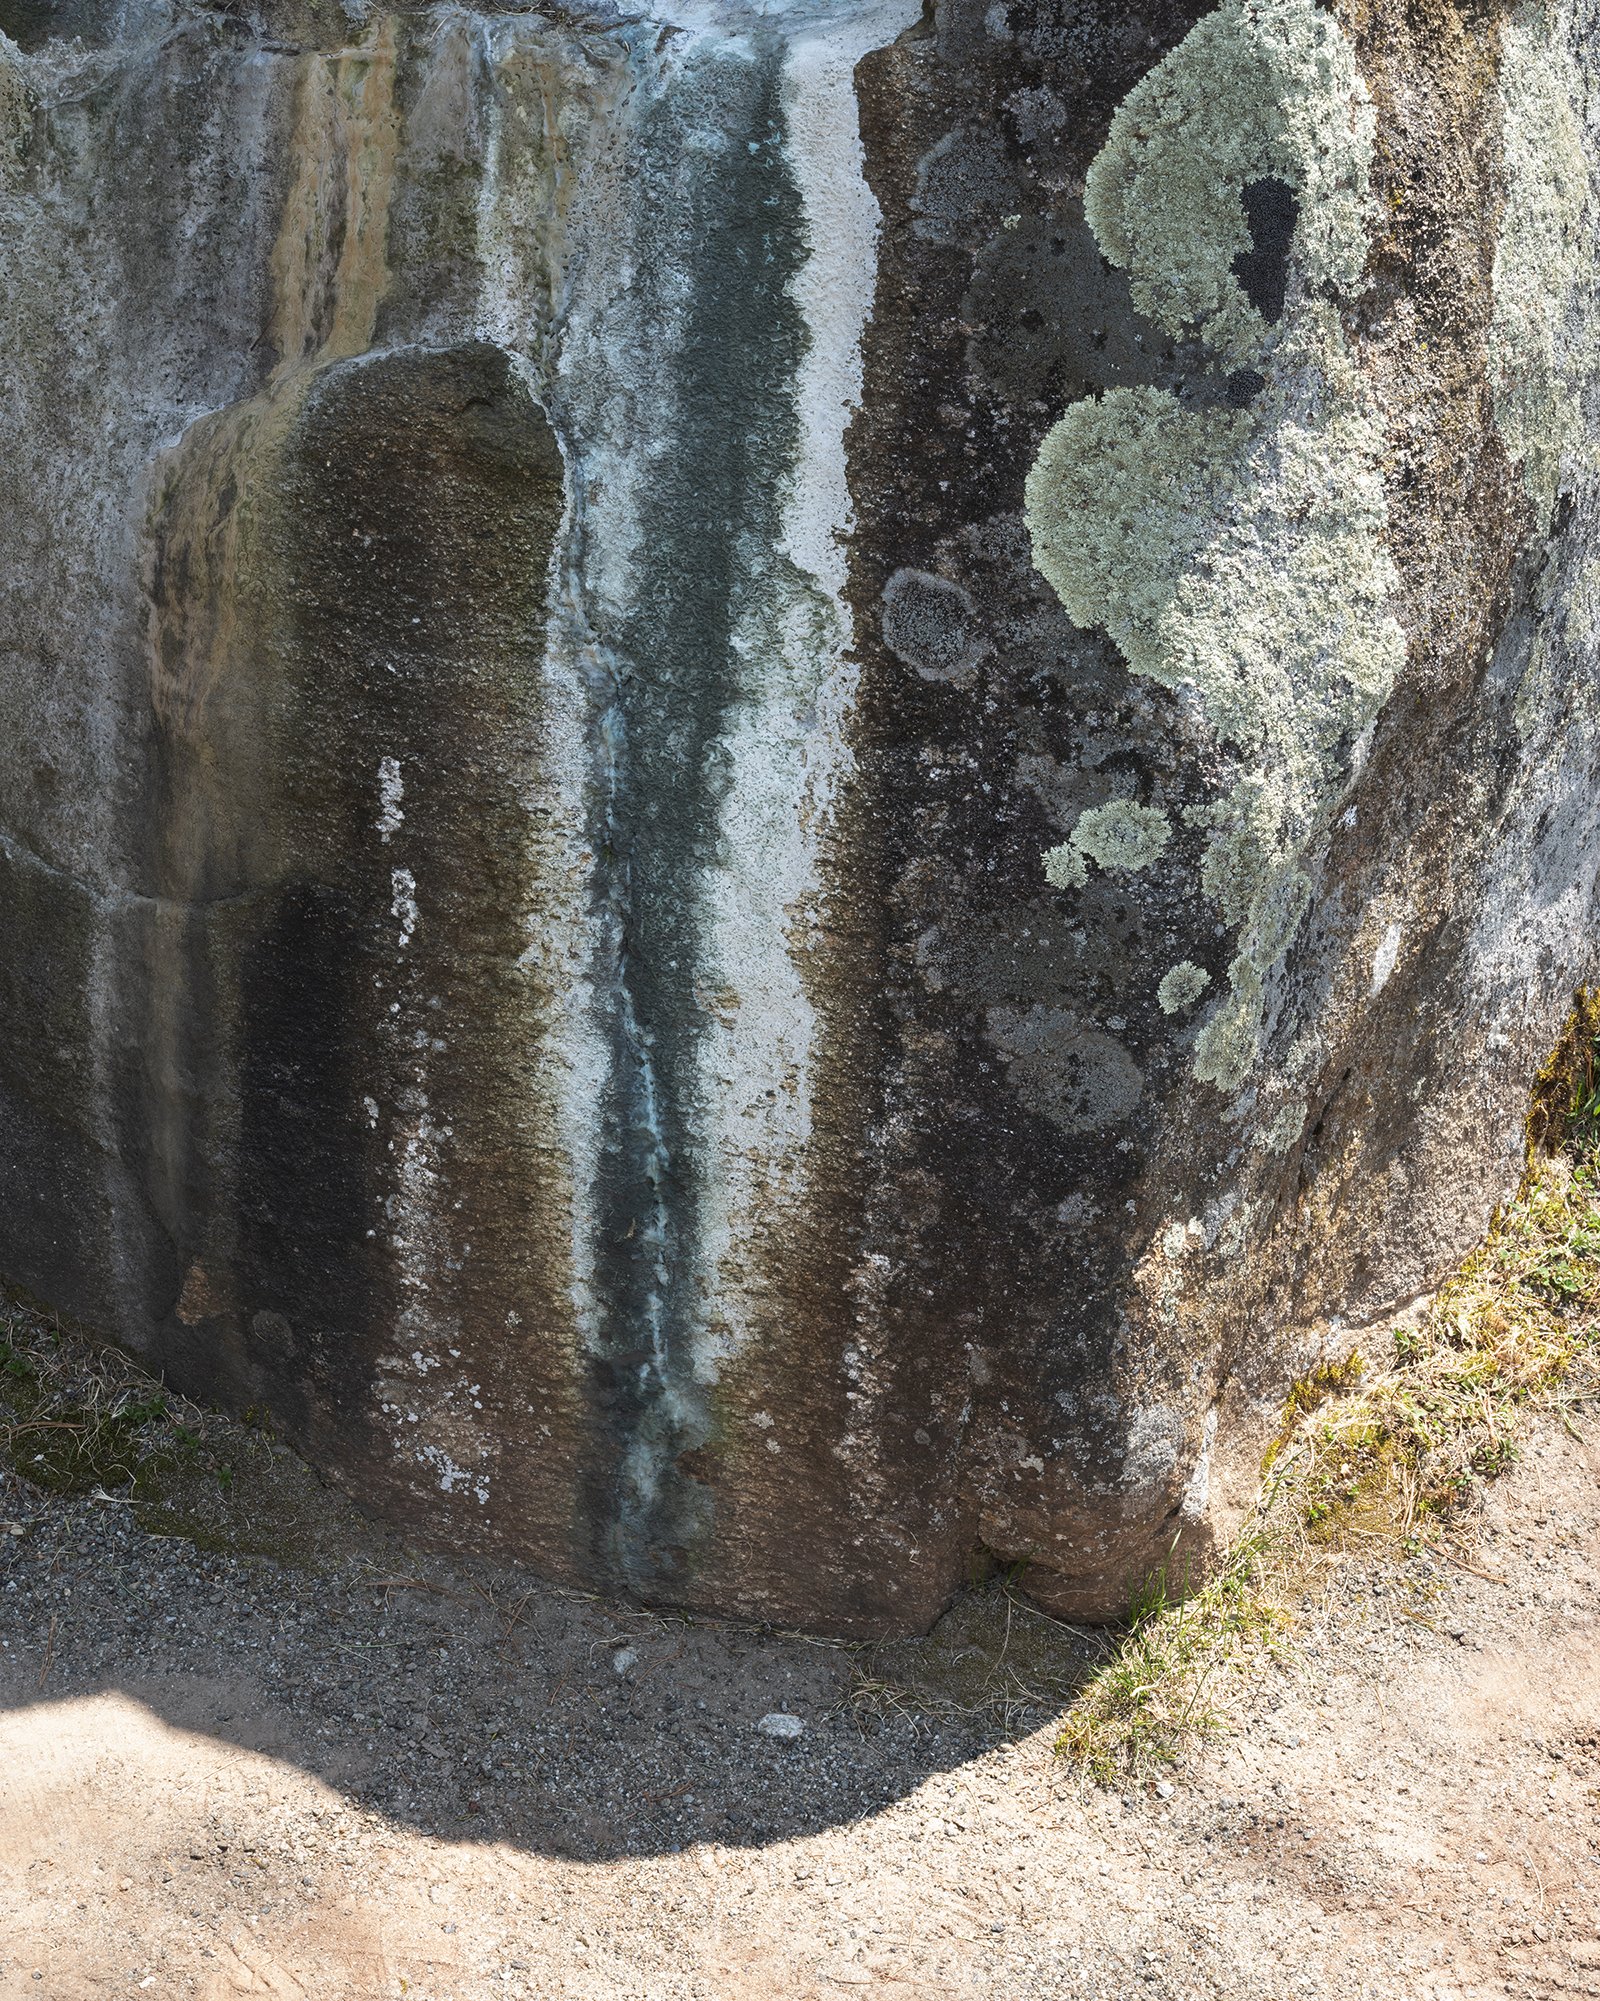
pixel 218 1777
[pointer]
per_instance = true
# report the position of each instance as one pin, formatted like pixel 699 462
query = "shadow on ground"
pixel 200 1568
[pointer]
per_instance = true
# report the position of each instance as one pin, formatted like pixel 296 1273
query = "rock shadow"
pixel 470 1701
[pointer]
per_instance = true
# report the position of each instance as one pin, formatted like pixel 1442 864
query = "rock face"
pixel 782 784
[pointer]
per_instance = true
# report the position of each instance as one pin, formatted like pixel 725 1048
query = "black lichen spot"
pixel 1271 210
pixel 1244 386
pixel 1052 321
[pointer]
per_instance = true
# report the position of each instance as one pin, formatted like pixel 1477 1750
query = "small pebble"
pixel 778 1723
pixel 624 1660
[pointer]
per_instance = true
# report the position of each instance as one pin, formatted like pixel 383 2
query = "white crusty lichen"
pixel 1182 987
pixel 1259 89
pixel 1240 555
pixel 1544 336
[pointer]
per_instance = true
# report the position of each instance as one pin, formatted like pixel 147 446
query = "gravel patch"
pixel 376 1773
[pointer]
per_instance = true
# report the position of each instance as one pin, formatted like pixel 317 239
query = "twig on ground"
pixel 49 1651
pixel 1442 1549
pixel 388 1584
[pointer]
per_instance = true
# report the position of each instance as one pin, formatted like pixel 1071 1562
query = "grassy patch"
pixel 1157 1690
pixel 993 1659
pixel 74 1428
pixel 1383 1451
pixel 83 1421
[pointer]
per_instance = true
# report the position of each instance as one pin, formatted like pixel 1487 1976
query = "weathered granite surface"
pixel 781 784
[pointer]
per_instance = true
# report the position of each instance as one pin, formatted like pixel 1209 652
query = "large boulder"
pixel 780 785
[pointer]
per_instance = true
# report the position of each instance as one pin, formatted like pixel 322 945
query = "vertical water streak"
pixel 788 744
pixel 718 236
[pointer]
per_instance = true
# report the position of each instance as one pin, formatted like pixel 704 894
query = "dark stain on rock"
pixel 947 1212
pixel 32 23
pixel 58 1238
pixel 1053 321
pixel 370 1212
pixel 313 1163
pixel 309 1185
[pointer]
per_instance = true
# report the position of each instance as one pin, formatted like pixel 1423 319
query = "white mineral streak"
pixel 391 790
pixel 403 905
pixel 1386 958
pixel 1239 553
pixel 1197 1492
pixel 617 266
pixel 785 749
pixel 788 748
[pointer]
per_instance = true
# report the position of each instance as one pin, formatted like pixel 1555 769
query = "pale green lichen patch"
pixel 1121 835
pixel 1122 502
pixel 1546 329
pixel 1259 88
pixel 1287 1126
pixel 1583 605
pixel 1118 835
pixel 1065 867
pixel 1226 1049
pixel 1182 987
pixel 1239 554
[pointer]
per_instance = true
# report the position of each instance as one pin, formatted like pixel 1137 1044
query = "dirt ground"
pixel 374 1774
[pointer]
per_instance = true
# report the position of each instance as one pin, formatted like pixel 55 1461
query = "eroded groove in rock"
pixel 784 784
